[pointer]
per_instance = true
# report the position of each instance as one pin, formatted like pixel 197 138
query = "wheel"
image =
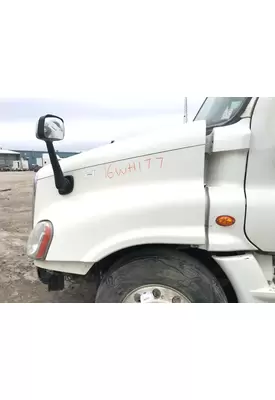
pixel 159 276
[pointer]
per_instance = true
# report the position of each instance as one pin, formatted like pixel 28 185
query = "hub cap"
pixel 155 294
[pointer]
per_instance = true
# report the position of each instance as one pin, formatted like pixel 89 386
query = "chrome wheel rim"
pixel 155 294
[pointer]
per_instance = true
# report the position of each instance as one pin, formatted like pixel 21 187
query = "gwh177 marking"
pixel 133 167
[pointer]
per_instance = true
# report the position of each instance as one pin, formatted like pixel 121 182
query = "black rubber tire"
pixel 164 267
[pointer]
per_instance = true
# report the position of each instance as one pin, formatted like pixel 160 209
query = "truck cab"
pixel 183 217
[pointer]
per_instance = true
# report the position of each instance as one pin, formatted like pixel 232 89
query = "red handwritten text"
pixel 132 167
pixel 161 161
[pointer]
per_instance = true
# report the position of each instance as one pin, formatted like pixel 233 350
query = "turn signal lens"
pixel 40 240
pixel 225 220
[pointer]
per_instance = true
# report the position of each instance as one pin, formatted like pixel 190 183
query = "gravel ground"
pixel 18 278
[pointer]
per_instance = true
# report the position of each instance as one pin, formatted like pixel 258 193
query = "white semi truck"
pixel 188 216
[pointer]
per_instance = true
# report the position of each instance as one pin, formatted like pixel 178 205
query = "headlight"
pixel 40 240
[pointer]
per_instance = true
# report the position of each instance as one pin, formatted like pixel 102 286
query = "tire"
pixel 164 267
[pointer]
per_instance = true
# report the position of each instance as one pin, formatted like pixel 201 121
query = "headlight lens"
pixel 40 240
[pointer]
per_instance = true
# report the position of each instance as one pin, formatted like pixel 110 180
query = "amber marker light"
pixel 225 220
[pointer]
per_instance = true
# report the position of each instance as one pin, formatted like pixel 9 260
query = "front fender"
pixel 104 222
pixel 165 204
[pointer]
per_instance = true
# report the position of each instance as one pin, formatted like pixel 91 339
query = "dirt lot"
pixel 18 278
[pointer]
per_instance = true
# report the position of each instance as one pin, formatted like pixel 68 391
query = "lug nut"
pixel 156 293
pixel 176 299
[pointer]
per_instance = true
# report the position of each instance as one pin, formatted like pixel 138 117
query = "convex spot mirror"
pixel 50 128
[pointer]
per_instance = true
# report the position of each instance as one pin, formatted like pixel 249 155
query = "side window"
pixel 220 110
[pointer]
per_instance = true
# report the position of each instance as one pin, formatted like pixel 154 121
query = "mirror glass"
pixel 53 129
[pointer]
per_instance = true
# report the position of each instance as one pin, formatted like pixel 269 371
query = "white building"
pixel 7 158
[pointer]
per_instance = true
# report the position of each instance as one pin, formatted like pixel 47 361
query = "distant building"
pixel 7 157
pixel 36 157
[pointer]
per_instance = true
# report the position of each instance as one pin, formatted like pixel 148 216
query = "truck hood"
pixel 185 135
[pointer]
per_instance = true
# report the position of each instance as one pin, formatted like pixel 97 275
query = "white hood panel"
pixel 138 191
pixel 185 135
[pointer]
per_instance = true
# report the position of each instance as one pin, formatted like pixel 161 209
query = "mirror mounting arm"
pixel 64 184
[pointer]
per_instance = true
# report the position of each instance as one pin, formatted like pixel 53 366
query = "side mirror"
pixel 50 128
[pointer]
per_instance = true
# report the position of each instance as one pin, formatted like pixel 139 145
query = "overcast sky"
pixel 108 76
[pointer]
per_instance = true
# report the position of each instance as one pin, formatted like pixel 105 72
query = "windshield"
pixel 220 110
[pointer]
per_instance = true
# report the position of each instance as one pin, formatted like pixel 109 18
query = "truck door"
pixel 260 177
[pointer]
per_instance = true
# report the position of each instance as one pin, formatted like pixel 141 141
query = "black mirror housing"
pixel 50 128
